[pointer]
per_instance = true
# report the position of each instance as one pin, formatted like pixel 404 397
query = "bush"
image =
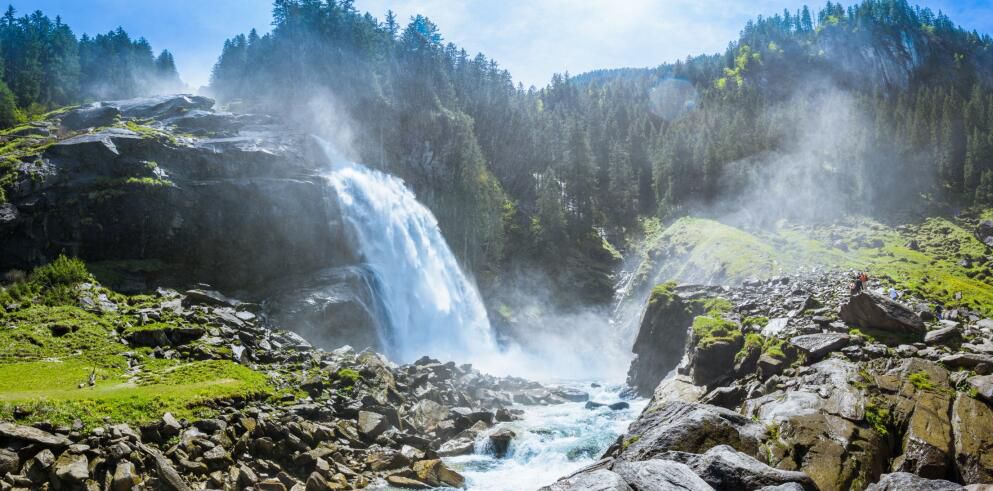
pixel 62 272
pixel 9 115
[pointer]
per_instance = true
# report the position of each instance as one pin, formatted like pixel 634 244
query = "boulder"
pixel 125 476
pixel 9 462
pixel 927 443
pixel 984 232
pixel 972 427
pixel 981 364
pixel 571 395
pixel 426 414
pixel 726 468
pixel 871 311
pixel 595 480
pixel 948 336
pixel 372 424
pixel 817 346
pixel 661 339
pixel 660 475
pixel 688 427
pixel 983 386
pixel 500 441
pixel 72 469
pixel 775 327
pixel 436 473
pixel 30 434
pixel 905 481
pixel 90 116
pixel 713 361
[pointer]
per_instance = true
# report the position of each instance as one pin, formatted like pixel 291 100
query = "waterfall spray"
pixel 432 307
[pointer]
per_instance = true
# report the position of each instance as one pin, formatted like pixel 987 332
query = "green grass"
pixel 712 330
pixel 878 417
pixel 753 342
pixel 774 348
pixel 706 248
pixel 757 322
pixel 921 381
pixel 47 351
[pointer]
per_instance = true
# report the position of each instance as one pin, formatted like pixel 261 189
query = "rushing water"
pixel 551 442
pixel 431 306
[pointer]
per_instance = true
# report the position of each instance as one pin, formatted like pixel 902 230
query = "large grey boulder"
pixel 817 346
pixel 660 475
pixel 90 116
pixel 32 435
pixel 726 468
pixel 905 481
pixel 871 311
pixel 595 480
pixel 688 427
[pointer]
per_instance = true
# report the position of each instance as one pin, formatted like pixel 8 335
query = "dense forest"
pixel 43 65
pixel 537 174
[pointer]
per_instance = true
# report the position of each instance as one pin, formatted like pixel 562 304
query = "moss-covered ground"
pixel 61 363
pixel 938 259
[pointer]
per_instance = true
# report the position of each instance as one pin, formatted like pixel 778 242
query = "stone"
pixel 712 362
pixel 972 427
pixel 125 476
pixel 618 406
pixel 871 311
pixel 927 443
pixel 688 427
pixel 90 116
pixel 595 480
pixel 170 426
pixel 660 475
pixel 386 459
pixel 981 364
pixel 32 435
pixel 9 462
pixel 983 385
pixel 984 232
pixel 500 441
pixel 768 366
pixel 396 480
pixel 457 446
pixel 726 468
pixel 775 327
pixel 661 340
pixel 948 336
pixel 72 468
pixel 372 424
pixel 436 473
pixel 817 346
pixel 905 481
pixel 571 395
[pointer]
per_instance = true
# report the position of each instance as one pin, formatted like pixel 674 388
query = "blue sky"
pixel 533 39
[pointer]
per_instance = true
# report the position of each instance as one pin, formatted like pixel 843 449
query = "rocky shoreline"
pixel 801 386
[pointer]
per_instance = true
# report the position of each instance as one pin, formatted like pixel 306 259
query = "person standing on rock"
pixel 856 286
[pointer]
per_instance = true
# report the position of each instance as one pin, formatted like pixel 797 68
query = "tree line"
pixel 43 65
pixel 544 175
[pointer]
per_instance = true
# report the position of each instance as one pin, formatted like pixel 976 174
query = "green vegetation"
pixel 664 292
pixel 774 348
pixel 712 330
pixel 630 441
pixel 755 322
pixel 753 343
pixel 921 381
pixel 59 362
pixel 878 417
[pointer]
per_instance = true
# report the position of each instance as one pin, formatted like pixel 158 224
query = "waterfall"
pixel 432 308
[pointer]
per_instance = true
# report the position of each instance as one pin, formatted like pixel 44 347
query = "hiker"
pixel 893 294
pixel 856 286
pixel 864 278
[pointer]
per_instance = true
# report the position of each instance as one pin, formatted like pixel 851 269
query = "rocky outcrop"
pixel 248 207
pixel 871 311
pixel 833 408
pixel 661 339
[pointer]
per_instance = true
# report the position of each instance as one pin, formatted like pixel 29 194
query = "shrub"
pixel 63 271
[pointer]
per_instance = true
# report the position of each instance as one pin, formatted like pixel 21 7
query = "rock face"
pixel 872 311
pixel 661 339
pixel 131 192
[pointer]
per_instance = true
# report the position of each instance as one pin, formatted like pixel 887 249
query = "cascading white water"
pixel 432 306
